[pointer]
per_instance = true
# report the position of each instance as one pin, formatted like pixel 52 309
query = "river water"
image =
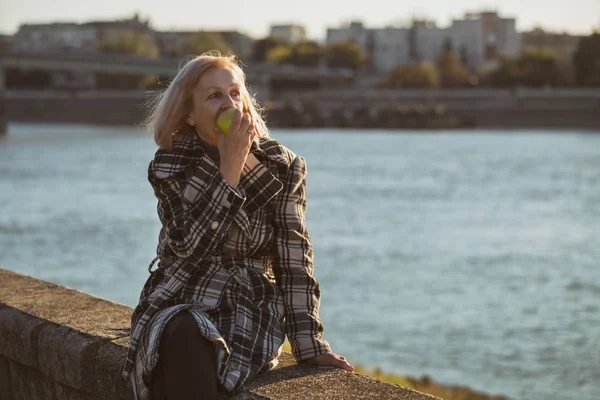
pixel 469 256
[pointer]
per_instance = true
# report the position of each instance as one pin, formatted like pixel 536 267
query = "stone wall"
pixel 61 344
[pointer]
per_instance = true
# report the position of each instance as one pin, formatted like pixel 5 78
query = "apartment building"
pixel 291 33
pixel 479 39
pixel 71 36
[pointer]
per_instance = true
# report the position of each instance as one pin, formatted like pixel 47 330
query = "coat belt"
pixel 261 265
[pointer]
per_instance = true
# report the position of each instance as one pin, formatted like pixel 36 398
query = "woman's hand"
pixel 234 147
pixel 330 360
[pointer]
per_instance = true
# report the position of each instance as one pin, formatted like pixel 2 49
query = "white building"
pixel 387 47
pixel 63 36
pixel 355 32
pixel 390 47
pixel 478 40
pixel 429 42
pixel 291 33
pixel 71 36
pixel 484 37
pixel 468 42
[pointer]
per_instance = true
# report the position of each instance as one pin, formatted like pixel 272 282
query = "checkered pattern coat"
pixel 239 260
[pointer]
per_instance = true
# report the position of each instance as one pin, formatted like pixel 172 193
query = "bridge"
pixel 266 79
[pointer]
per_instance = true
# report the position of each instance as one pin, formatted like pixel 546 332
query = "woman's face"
pixel 217 90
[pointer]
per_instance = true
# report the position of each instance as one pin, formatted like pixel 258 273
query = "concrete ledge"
pixel 59 343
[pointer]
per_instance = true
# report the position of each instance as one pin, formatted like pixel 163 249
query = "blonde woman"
pixel 235 258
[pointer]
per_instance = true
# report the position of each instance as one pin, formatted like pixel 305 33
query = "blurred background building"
pixel 291 33
pixel 481 49
pixel 479 39
pixel 90 36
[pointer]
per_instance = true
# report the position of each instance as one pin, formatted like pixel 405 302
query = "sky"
pixel 255 17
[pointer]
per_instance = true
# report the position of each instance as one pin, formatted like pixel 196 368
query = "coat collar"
pixel 260 185
pixel 188 148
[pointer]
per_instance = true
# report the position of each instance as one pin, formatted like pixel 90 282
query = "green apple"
pixel 225 119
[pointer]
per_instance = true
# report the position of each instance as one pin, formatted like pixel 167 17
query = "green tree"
pixel 539 68
pixel 532 68
pixel 413 76
pixel 507 74
pixel 262 46
pixel 280 54
pixel 586 61
pixel 451 73
pixel 345 55
pixel 130 42
pixel 308 54
pixel 201 42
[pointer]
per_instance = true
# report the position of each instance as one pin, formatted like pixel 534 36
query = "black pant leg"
pixel 187 364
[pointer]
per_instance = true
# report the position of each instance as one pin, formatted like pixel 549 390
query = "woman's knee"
pixel 180 326
pixel 181 332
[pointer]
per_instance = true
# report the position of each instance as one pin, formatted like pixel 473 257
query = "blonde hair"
pixel 170 107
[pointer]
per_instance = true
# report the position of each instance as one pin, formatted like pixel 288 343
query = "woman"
pixel 236 261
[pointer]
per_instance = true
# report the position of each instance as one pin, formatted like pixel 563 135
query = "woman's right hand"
pixel 235 146
pixel 330 360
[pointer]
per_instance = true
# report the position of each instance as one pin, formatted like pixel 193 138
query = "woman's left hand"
pixel 330 360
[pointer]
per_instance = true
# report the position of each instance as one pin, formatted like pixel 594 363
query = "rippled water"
pixel 473 257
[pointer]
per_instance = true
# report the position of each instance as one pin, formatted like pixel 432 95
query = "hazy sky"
pixel 254 17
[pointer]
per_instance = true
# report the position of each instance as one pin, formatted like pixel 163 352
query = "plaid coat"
pixel 239 260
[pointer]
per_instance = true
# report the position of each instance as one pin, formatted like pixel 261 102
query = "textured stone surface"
pixel 61 305
pixel 19 334
pixel 66 335
pixel 331 384
pixel 5 389
pixel 61 352
pixel 28 383
pixel 102 373
pixel 292 381
pixel 58 343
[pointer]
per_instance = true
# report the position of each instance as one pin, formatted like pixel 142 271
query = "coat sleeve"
pixel 196 209
pixel 293 267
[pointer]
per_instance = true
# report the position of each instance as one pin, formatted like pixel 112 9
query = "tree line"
pixel 535 68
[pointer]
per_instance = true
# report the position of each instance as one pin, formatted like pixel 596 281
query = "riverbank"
pixel 298 114
pixel 426 385
pixel 342 108
pixel 465 108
